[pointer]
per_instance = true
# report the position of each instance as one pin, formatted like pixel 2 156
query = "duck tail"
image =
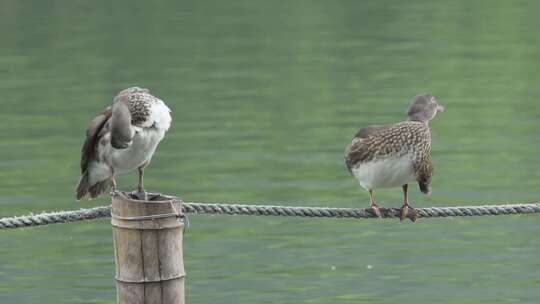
pixel 82 186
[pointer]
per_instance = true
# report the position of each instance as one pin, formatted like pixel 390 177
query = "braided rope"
pixel 260 210
pixel 54 217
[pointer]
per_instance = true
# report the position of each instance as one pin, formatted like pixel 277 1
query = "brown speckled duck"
pixel 122 138
pixel 386 156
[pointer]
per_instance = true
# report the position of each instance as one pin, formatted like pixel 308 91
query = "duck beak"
pixel 440 109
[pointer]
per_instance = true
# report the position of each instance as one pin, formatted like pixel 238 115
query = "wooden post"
pixel 148 249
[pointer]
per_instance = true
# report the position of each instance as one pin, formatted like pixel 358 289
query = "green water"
pixel 265 95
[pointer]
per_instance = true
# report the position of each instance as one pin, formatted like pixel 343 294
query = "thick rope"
pixel 236 209
pixel 59 217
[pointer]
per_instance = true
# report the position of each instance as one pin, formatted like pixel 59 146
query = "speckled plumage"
pixel 384 156
pixel 121 138
pixel 139 106
pixel 405 138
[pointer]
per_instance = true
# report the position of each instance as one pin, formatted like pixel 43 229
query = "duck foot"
pixel 144 196
pixel 376 210
pixel 408 212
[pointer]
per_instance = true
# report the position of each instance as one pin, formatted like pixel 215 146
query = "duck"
pixel 394 155
pixel 122 138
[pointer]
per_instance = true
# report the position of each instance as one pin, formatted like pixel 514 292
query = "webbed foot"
pixel 376 210
pixel 144 196
pixel 408 212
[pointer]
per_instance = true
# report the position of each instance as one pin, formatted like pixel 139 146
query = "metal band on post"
pixel 148 249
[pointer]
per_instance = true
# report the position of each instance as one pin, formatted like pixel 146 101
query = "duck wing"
pixel 121 130
pixel 94 132
pixel 357 151
pixel 372 130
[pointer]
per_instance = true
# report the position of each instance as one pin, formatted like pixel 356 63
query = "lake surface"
pixel 265 96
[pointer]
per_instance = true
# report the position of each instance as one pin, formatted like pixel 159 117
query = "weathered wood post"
pixel 148 249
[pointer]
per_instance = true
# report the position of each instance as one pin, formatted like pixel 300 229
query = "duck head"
pixel 424 108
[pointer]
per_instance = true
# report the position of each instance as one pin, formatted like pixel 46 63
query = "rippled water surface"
pixel 265 95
